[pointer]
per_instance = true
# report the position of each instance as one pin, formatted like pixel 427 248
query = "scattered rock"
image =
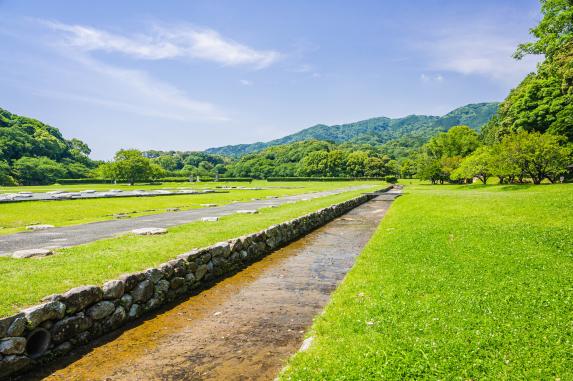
pixel 100 310
pixel 6 322
pixel 113 289
pixel 12 346
pixel 177 282
pixel 81 297
pixel 70 327
pixel 121 216
pixel 149 231
pixel 32 253
pixel 38 314
pixel 201 271
pixel 135 311
pixel 208 205
pixel 210 219
pixel 126 301
pixel 115 319
pixel 13 363
pixel 143 291
pixel 247 211
pixel 172 209
pixel 39 227
pixel 17 327
pixel 306 344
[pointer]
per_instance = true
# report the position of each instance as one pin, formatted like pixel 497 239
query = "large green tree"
pixel 543 101
pixel 130 165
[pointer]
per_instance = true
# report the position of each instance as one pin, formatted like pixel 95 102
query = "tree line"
pixel 528 139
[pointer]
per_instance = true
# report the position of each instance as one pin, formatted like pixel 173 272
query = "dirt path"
pixel 243 328
pixel 79 234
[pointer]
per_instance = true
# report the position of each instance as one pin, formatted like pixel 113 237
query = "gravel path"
pixel 80 234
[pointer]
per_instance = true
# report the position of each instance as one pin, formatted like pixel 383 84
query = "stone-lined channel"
pixel 243 328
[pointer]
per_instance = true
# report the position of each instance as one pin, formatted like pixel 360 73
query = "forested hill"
pixel 377 130
pixel 32 152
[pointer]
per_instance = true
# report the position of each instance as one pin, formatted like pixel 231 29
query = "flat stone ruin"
pixel 38 334
pixel 149 231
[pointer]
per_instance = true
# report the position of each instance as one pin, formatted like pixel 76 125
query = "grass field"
pixel 14 217
pixel 25 282
pixel 458 283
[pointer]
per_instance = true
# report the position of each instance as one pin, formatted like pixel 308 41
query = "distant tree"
pixel 553 31
pixel 543 101
pixel 537 155
pixel 375 167
pixel 129 165
pixel 356 163
pixel 478 164
pixel 407 169
pixel 38 170
pixel 80 146
pixel 169 163
pixel 430 168
pixel 6 177
pixel 503 165
pixel 443 154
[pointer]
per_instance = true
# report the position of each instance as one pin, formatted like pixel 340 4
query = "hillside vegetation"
pixel 32 152
pixel 377 130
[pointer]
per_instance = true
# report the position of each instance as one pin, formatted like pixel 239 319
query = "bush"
pixel 391 179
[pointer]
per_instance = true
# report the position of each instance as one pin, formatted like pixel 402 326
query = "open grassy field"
pixel 25 282
pixel 459 282
pixel 15 217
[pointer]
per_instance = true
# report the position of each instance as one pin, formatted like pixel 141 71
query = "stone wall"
pixel 43 332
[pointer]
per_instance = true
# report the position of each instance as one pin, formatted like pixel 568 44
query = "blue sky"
pixel 188 75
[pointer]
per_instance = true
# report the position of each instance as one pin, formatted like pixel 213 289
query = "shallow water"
pixel 244 327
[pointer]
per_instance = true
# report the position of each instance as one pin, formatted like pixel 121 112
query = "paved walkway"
pixel 80 234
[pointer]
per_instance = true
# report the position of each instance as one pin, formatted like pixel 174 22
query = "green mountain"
pixel 377 130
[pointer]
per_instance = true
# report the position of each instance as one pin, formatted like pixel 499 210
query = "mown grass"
pixel 14 217
pixel 459 282
pixel 25 282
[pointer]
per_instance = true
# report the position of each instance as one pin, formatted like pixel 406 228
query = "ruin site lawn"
pixel 459 282
pixel 24 282
pixel 14 217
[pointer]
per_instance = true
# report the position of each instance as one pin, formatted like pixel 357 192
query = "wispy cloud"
pixel 168 43
pixel 246 82
pixel 132 91
pixel 431 78
pixel 482 50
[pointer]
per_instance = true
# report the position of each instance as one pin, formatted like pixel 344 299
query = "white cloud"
pixel 431 78
pixel 80 78
pixel 168 43
pixel 482 50
pixel 246 82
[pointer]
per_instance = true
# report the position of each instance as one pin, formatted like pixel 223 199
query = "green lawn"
pixel 458 283
pixel 25 282
pixel 14 217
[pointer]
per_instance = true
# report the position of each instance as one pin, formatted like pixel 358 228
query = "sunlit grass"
pixel 25 282
pixel 14 217
pixel 459 282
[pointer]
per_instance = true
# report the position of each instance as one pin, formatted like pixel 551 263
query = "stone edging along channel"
pixel 49 330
